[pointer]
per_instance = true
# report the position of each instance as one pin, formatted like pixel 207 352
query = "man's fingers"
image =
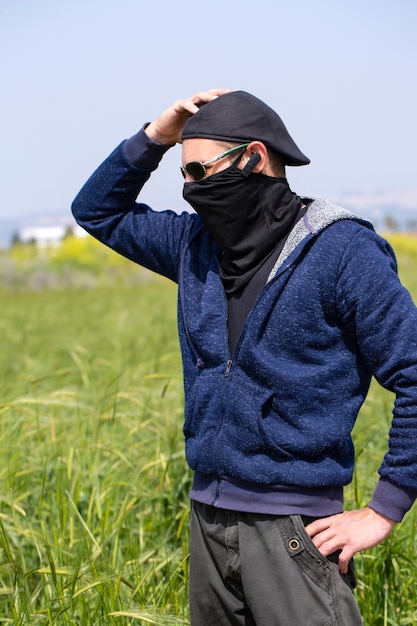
pixel 344 558
pixel 194 102
pixel 207 96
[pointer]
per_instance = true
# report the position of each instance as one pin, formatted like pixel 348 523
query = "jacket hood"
pixel 320 214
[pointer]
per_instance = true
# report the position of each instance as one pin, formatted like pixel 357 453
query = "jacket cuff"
pixel 392 500
pixel 142 152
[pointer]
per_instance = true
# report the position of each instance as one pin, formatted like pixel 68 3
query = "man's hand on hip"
pixel 350 532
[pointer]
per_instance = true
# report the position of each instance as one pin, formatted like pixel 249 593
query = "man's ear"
pixel 255 157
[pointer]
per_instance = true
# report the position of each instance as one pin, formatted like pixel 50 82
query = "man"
pixel 287 307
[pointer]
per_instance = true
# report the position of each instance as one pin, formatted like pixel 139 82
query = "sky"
pixel 80 76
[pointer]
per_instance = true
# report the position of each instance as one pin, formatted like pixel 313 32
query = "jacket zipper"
pixel 229 362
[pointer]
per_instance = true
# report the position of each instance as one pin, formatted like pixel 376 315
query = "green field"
pixel 93 492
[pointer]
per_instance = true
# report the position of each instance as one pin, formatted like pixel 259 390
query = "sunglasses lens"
pixel 196 170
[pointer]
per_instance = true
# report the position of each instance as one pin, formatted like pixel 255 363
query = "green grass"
pixel 94 487
pixel 93 496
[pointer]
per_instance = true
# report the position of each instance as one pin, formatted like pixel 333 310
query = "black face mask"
pixel 247 214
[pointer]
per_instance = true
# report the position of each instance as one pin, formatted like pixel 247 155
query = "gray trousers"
pixel 248 569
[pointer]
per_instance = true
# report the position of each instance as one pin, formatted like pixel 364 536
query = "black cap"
pixel 238 116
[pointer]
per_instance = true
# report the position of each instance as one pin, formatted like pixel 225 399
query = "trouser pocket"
pixel 322 572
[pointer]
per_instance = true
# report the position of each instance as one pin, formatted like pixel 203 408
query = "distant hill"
pixel 395 210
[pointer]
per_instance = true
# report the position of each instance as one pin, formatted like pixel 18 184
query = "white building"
pixel 49 236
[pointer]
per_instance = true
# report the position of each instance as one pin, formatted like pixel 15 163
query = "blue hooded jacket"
pixel 332 315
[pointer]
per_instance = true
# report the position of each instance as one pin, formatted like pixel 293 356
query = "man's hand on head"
pixel 167 128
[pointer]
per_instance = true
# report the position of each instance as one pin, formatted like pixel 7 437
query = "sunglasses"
pixel 197 170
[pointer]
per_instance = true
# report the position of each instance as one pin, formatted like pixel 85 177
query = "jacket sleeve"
pixel 380 312
pixel 106 208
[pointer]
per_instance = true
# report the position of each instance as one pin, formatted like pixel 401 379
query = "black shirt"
pixel 241 301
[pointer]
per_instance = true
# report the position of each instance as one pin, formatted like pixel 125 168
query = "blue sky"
pixel 80 76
